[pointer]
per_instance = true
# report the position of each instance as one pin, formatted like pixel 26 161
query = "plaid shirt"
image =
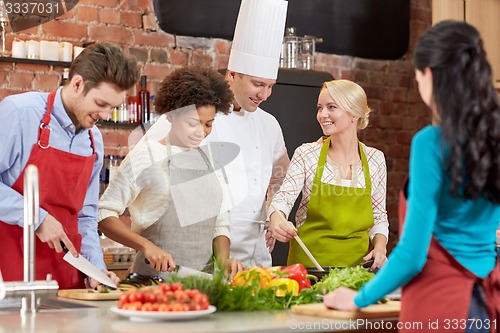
pixel 300 176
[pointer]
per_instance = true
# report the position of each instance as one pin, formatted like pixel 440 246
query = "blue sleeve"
pixel 410 255
pixel 87 218
pixel 14 148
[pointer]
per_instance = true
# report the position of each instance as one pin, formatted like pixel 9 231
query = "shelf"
pixel 113 124
pixel 36 61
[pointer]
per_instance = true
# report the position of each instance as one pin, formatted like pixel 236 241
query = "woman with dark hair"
pixel 170 186
pixel 446 260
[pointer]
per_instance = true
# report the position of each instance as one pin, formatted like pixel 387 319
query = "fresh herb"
pixel 350 277
pixel 251 297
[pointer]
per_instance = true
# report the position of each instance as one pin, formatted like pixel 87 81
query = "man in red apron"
pixel 56 133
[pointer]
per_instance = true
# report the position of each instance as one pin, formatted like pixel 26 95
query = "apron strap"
pixel 322 161
pixel 44 129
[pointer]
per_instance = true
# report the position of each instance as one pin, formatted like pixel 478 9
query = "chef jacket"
pixel 260 166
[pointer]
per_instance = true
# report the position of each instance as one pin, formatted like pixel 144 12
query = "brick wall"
pixel 391 88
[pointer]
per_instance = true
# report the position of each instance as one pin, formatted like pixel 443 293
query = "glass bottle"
pixel 145 99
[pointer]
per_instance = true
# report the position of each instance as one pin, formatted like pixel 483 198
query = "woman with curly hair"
pixel 446 259
pixel 170 186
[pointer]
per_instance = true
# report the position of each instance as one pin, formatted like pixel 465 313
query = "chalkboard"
pixel 373 29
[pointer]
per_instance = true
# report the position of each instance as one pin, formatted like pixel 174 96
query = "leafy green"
pixel 350 277
pixel 227 297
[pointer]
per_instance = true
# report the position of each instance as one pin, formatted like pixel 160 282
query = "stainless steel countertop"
pixel 101 319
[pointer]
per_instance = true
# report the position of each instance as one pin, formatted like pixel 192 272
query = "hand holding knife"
pixel 86 267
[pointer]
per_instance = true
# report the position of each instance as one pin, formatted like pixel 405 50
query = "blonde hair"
pixel 350 97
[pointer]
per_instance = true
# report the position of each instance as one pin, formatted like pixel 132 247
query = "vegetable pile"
pixel 164 297
pixel 350 277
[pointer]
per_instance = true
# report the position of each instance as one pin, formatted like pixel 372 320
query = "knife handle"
pixel 65 249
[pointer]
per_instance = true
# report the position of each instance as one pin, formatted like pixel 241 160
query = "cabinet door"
pixel 485 16
pixel 448 10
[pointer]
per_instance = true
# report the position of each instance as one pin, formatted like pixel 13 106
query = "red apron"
pixel 63 181
pixel 442 293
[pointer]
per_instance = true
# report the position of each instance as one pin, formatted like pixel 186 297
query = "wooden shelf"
pixel 36 61
pixel 113 124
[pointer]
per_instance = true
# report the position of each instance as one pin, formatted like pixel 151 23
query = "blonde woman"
pixel 343 186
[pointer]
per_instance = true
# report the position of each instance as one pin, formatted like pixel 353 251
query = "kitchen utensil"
pixel 299 241
pixel 86 267
pixel 89 294
pixel 185 271
pixel 389 309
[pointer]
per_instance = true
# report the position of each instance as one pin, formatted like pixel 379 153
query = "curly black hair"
pixel 201 86
pixel 468 105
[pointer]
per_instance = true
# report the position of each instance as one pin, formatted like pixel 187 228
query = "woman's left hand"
pixel 341 298
pixel 94 283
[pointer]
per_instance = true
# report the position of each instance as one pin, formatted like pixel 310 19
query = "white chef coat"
pixel 261 164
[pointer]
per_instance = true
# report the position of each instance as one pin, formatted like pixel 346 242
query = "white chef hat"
pixel 258 38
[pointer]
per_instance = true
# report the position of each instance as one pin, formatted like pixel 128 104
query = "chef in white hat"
pixel 258 171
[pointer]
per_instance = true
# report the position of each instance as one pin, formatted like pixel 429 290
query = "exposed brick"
pixel 103 3
pixel 222 46
pixel 65 29
pixel 133 20
pixel 31 67
pixel 159 55
pixel 150 22
pixel 137 5
pixel 70 12
pixel 202 58
pixel 158 39
pixel 46 82
pixel 21 80
pixel 140 54
pixel 194 43
pixel 157 72
pixel 178 57
pixel 110 16
pixel 221 61
pixel 87 14
pixel 110 34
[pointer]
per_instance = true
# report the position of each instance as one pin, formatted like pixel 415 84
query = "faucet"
pixel 29 288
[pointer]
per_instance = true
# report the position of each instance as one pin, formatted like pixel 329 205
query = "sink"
pixel 46 304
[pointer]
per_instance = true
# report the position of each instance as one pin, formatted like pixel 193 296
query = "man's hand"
pixel 111 275
pixel 52 232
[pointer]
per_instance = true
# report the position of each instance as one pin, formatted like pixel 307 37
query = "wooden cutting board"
pixel 89 294
pixel 389 309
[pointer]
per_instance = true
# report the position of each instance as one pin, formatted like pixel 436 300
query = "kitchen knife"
pixel 185 271
pixel 86 267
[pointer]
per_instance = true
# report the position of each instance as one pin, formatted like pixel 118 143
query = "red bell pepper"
pixel 298 272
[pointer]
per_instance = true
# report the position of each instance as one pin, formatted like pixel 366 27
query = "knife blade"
pixel 87 268
pixel 185 271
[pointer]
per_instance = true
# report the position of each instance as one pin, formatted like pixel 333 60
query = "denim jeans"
pixel 479 321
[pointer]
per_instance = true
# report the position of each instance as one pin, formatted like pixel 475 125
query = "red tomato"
pixel 164 287
pixel 147 307
pixel 136 297
pixel 176 286
pixel 150 297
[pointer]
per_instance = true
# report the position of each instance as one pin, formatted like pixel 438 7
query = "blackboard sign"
pixel 373 29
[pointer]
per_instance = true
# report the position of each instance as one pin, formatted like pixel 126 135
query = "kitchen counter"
pixel 101 319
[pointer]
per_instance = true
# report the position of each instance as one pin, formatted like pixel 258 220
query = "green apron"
pixel 337 223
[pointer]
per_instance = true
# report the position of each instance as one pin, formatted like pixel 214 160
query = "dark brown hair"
pixel 104 62
pixel 193 85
